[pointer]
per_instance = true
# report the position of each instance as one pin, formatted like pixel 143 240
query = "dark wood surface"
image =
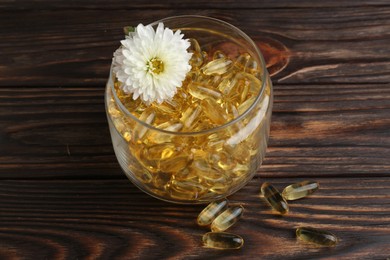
pixel 63 195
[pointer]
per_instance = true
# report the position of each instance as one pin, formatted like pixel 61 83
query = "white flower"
pixel 152 64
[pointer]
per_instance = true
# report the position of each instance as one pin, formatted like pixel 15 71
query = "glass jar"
pixel 206 165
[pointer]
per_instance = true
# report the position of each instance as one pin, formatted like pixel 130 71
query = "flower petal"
pixel 131 61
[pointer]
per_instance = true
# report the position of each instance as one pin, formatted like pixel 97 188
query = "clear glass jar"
pixel 197 166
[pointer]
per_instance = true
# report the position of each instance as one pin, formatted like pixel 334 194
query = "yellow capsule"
pixel 242 61
pixel 213 111
pixel 227 84
pixel 144 176
pixel 202 169
pixel 186 190
pixel 299 190
pixel 191 115
pixel 252 66
pixel 201 92
pixel 205 56
pixel 147 116
pixel 245 106
pixel 219 54
pixel 213 177
pixel 316 236
pixel 222 240
pixel 161 180
pixel 169 107
pixel 222 160
pixel 153 154
pixel 227 219
pixel 244 92
pixel 217 145
pixel 209 213
pixel 214 82
pixel 241 170
pixel 184 175
pixel 174 164
pixel 127 136
pixel 119 124
pixel 274 198
pixel 113 110
pixel 174 127
pixel 239 152
pixel 253 82
pixel 196 58
pixel 194 45
pixel 155 137
pixel 134 106
pixel 221 187
pixel 218 66
pixel 234 112
pixel 198 152
pixel 192 76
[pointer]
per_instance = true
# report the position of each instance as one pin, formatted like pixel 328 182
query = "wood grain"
pixel 325 45
pixel 335 130
pixel 183 4
pixel 112 219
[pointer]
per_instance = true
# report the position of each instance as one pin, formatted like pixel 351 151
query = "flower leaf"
pixel 128 29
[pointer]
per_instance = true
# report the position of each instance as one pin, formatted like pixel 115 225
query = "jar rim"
pixel 219 127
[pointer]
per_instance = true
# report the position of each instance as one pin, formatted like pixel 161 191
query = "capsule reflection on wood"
pixel 299 190
pixel 316 236
pixel 211 211
pixel 274 198
pixel 227 219
pixel 222 240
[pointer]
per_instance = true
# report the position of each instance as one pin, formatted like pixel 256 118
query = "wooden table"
pixel 63 195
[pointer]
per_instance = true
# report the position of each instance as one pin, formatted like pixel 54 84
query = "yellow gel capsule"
pixel 186 189
pixel 158 152
pixel 194 45
pixel 242 61
pixel 252 66
pixel 174 164
pixel 196 58
pixel 213 111
pixel 218 66
pixel 227 219
pixel 245 105
pixel 201 92
pixel 219 54
pixel 144 176
pixel 211 211
pixel 228 83
pixel 147 116
pixel 190 115
pixel 316 236
pixel 274 198
pixel 222 240
pixel 299 190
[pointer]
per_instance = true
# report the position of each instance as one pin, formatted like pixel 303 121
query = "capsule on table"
pixel 222 240
pixel 299 190
pixel 316 236
pixel 274 198
pixel 211 212
pixel 227 219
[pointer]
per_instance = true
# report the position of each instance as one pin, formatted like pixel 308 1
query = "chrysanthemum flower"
pixel 152 64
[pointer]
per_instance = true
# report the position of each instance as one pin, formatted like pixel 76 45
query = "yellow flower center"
pixel 155 66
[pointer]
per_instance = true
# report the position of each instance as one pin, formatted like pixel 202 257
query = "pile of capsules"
pixel 220 217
